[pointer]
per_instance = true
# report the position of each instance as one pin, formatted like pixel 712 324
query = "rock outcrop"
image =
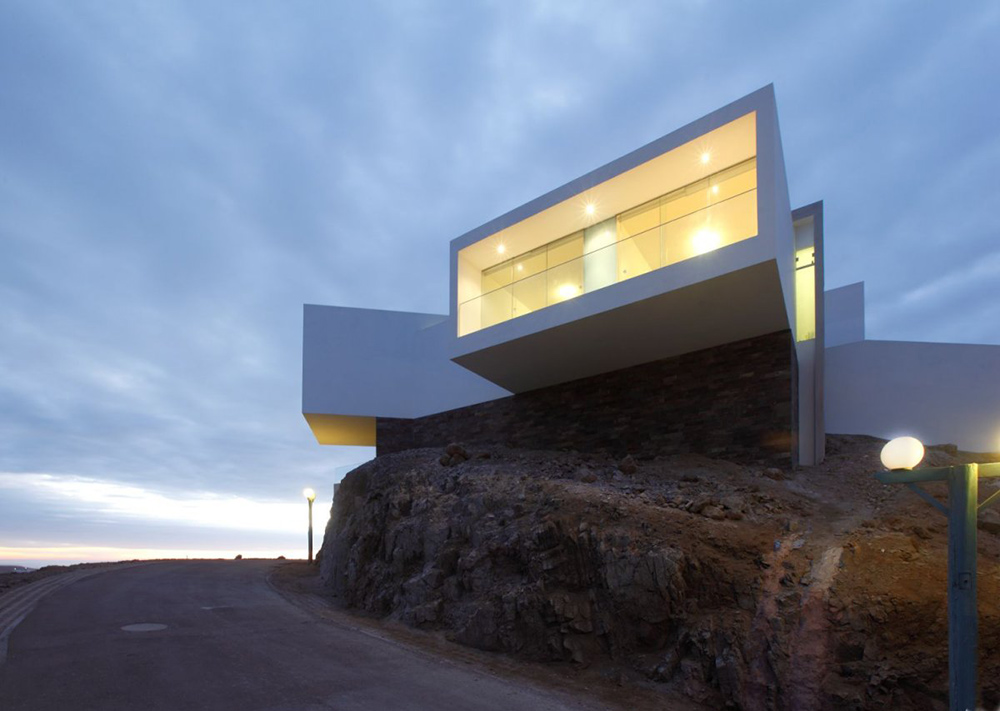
pixel 740 586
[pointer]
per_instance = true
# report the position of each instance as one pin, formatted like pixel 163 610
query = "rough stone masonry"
pixel 734 401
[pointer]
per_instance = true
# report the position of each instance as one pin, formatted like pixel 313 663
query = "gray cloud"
pixel 177 179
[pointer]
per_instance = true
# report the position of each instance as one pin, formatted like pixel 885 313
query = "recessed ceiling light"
pixel 501 249
pixel 705 157
pixel 590 209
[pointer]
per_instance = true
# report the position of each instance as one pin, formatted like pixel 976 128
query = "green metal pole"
pixel 963 636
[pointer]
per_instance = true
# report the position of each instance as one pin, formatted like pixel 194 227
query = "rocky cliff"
pixel 739 586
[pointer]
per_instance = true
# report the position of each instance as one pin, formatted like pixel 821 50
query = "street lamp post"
pixel 310 497
pixel 900 456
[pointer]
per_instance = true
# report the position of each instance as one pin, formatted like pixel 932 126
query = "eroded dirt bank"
pixel 738 586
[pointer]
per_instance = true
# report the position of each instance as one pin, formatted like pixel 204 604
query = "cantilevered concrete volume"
pixel 671 300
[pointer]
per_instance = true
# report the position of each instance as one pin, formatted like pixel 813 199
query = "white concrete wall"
pixel 845 314
pixel 777 224
pixel 383 363
pixel 936 392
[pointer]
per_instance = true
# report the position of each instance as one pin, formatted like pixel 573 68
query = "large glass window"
pixel 805 294
pixel 496 277
pixel 638 255
pixel 565 249
pixel 527 265
pixel 565 281
pixel 529 294
pixel 701 217
pixel 600 258
pixel 497 307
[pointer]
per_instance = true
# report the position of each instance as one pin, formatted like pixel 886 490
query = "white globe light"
pixel 309 494
pixel 902 453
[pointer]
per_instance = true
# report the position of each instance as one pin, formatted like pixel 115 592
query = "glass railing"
pixel 731 219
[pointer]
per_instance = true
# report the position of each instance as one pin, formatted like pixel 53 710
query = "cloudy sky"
pixel 178 178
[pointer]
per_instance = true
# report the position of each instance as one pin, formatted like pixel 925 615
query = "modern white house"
pixel 669 301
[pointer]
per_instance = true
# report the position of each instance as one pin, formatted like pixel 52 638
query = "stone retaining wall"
pixel 733 401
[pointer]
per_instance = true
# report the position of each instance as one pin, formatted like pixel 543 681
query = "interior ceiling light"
pixel 705 157
pixel 501 248
pixel 715 189
pixel 590 209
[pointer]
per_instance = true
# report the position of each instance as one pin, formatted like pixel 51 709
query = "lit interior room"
pixel 697 198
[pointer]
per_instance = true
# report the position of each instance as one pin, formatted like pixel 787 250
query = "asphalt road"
pixel 229 642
